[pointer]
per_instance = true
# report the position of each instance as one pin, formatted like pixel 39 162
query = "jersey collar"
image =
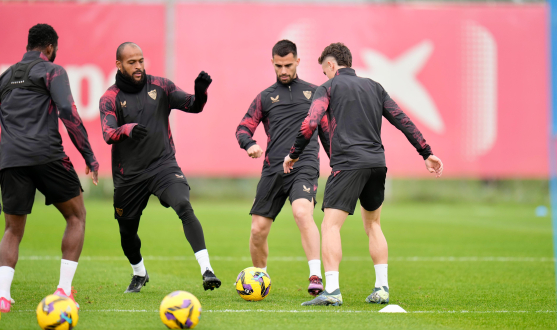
pixel 33 55
pixel 346 71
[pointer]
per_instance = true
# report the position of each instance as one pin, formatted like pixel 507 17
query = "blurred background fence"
pixel 473 76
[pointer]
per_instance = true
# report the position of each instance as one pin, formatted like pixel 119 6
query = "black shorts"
pixel 273 190
pixel 56 180
pixel 344 188
pixel 131 200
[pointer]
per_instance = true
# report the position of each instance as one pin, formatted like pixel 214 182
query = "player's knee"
pixel 258 232
pixel 302 215
pixel 184 210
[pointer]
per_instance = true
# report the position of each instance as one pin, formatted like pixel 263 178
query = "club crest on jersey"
pixel 307 94
pixel 153 94
pixel 275 99
pixel 306 189
pixel 119 211
pixel 123 104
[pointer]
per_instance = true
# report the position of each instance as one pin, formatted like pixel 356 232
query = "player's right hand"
pixel 434 165
pixel 255 151
pixel 94 175
pixel 139 132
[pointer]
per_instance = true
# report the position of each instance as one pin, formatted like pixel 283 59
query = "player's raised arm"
pixel 59 88
pixel 180 100
pixel 318 108
pixel 324 135
pixel 246 129
pixel 112 133
pixel 400 120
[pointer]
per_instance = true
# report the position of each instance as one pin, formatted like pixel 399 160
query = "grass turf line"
pixel 440 291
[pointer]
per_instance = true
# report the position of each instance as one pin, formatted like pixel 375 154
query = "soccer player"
pixel 34 94
pixel 134 119
pixel 355 107
pixel 282 107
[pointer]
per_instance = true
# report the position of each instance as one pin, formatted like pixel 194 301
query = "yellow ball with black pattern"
pixel 57 313
pixel 253 284
pixel 180 310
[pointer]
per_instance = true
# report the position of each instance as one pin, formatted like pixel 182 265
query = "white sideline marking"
pixel 289 259
pixel 291 311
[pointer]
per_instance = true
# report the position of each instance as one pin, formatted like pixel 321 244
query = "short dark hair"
pixel 121 49
pixel 284 47
pixel 40 36
pixel 339 52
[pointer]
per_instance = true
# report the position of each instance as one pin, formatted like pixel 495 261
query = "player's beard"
pixel 53 56
pixel 290 78
pixel 131 79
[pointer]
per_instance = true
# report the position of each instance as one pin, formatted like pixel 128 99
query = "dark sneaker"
pixel 137 283
pixel 379 296
pixel 326 299
pixel 210 281
pixel 315 285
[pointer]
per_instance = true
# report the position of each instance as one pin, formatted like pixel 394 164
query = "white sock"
pixel 265 269
pixel 381 278
pixel 139 269
pixel 315 268
pixel 67 271
pixel 202 257
pixel 6 278
pixel 331 283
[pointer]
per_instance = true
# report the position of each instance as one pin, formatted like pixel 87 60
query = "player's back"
pixel 355 116
pixel 29 120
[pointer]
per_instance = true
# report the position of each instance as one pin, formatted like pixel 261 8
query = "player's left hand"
pixel 202 82
pixel 94 175
pixel 434 165
pixel 288 163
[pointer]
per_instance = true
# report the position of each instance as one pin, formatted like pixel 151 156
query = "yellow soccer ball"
pixel 57 313
pixel 180 310
pixel 253 284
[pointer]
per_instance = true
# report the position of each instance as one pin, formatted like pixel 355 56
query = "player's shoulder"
pixel 307 84
pixel 164 83
pixel 158 81
pixel 269 89
pixel 110 94
pixel 53 69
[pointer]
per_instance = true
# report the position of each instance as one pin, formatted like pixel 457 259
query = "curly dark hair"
pixel 284 47
pixel 339 52
pixel 40 36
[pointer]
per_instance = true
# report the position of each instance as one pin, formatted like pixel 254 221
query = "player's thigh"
pixel 131 200
pixel 270 197
pixel 302 192
pixel 57 180
pixel 344 188
pixel 373 193
pixel 18 190
pixel 177 196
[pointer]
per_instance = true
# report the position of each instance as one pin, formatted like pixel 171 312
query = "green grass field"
pixel 452 266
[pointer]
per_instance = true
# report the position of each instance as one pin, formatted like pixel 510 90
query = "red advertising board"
pixel 473 78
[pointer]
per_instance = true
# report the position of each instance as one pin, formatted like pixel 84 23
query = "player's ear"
pixel 119 65
pixel 298 60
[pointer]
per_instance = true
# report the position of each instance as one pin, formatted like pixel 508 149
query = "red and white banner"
pixel 474 78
